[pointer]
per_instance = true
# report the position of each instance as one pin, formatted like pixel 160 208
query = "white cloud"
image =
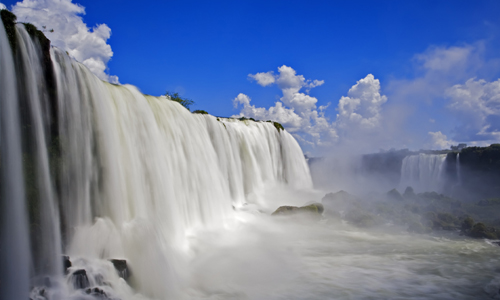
pixel 445 59
pixel 359 113
pixel 477 104
pixel 241 99
pixel 287 117
pixel 296 111
pixel 360 110
pixel 264 79
pixel 2 6
pixel 70 33
pixel 442 90
pixel 439 140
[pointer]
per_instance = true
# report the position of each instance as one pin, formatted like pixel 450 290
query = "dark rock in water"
pixel 314 209
pixel 394 195
pixel 97 293
pixel 80 279
pixel 66 264
pixel 121 267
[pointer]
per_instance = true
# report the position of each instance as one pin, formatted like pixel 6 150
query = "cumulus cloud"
pixel 359 112
pixel 477 103
pixel 362 106
pixel 2 6
pixel 296 111
pixel 439 141
pixel 287 117
pixel 264 79
pixel 66 30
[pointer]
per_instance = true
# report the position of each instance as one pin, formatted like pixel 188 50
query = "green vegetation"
pixel 201 112
pixel 183 101
pixel 480 230
pixel 314 209
pixel 277 125
pixel 246 119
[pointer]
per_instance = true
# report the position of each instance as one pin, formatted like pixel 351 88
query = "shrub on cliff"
pixel 201 112
pixel 183 101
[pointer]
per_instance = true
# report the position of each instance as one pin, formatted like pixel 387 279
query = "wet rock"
pixel 121 267
pixel 285 210
pixel 314 209
pixel 80 279
pixel 66 264
pixel 97 293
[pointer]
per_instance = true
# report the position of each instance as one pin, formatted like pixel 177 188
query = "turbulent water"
pixel 185 199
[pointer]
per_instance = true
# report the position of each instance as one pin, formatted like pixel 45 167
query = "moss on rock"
pixel 314 209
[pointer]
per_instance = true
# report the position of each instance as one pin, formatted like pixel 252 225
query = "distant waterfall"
pixel 123 174
pixel 423 172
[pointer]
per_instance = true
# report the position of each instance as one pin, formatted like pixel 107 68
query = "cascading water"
pixel 107 173
pixel 14 242
pixel 135 174
pixel 423 172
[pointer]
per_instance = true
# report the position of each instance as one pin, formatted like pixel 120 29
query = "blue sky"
pixel 426 58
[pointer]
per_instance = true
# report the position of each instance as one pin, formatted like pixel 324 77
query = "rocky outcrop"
pixel 79 279
pixel 394 195
pixel 121 267
pixel 66 264
pixel 314 209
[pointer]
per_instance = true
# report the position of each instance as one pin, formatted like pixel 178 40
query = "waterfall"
pixel 112 173
pixel 423 172
pixel 459 174
pixel 14 242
